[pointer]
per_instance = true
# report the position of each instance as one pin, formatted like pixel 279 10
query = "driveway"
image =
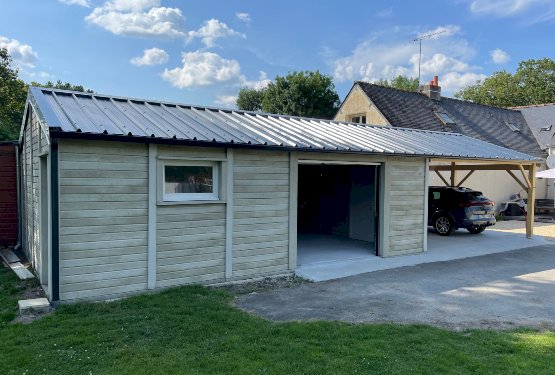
pixel 503 290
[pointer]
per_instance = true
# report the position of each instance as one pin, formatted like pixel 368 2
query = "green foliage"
pixel 62 86
pixel 194 330
pixel 532 83
pixel 13 93
pixel 307 94
pixel 250 99
pixel 400 82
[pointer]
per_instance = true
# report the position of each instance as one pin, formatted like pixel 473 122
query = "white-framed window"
pixel 359 119
pixel 190 181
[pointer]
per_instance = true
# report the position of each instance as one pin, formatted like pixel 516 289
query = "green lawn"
pixel 193 330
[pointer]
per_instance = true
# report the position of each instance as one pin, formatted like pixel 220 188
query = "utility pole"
pixel 419 40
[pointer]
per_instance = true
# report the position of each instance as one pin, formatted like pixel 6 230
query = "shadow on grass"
pixel 196 330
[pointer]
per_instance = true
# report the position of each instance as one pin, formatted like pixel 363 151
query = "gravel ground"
pixel 546 230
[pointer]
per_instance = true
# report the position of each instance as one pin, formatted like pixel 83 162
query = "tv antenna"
pixel 419 40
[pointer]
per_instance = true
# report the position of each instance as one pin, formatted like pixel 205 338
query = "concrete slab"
pixel 21 271
pixel 458 245
pixel 35 305
pixel 9 256
pixel 504 290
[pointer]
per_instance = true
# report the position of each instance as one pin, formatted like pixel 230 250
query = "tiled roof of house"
pixel 541 120
pixel 417 111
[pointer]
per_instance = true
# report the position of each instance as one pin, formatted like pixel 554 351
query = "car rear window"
pixel 475 196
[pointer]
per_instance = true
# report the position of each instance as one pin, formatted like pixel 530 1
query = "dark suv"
pixel 458 207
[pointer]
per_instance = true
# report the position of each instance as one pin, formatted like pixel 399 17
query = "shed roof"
pixel 69 113
pixel 501 126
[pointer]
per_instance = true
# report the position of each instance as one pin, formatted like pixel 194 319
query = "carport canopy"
pixel 522 171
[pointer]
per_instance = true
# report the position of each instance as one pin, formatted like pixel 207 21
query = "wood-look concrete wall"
pixel 118 236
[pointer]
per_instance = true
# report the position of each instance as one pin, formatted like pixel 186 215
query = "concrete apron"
pixel 460 244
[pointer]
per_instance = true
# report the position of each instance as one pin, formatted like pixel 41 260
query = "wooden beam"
pixel 453 174
pixel 442 178
pixel 517 180
pixel 465 178
pixel 482 162
pixel 525 177
pixel 475 167
pixel 531 202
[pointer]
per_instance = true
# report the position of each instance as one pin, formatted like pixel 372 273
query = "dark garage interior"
pixel 337 212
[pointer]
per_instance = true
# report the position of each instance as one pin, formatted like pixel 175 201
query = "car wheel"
pixel 443 225
pixel 476 230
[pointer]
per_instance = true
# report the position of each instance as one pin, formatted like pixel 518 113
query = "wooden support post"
pixel 442 178
pixel 453 174
pixel 531 201
pixel 524 186
pixel 465 178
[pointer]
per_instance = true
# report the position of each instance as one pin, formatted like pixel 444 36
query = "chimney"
pixel 432 90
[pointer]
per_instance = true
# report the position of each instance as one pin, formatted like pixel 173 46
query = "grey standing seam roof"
pixel 75 112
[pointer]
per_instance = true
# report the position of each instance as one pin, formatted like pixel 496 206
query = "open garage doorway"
pixel 337 212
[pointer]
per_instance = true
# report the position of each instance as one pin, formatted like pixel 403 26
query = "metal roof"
pixel 75 112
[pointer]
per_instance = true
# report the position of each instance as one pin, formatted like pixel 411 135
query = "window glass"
pixel 181 179
pixel 436 194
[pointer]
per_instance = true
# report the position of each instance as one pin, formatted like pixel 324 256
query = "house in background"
pixel 428 110
pixel 124 195
pixel 541 121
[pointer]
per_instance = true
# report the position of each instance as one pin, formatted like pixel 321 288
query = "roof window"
pixel 512 126
pixel 445 118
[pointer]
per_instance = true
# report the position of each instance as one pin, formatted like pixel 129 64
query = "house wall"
pixel 357 102
pixel 498 186
pixel 8 195
pixel 104 208
pixel 35 144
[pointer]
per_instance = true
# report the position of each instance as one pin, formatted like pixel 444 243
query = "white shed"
pixel 123 195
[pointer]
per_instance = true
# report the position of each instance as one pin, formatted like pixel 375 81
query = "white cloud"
pixel 453 81
pixel 83 3
pixel 212 30
pixel 385 13
pixel 501 8
pixel 389 54
pixel 245 17
pixel 226 100
pixel 152 56
pixel 143 18
pixel 261 83
pixel 22 54
pixel 202 69
pixel 533 11
pixel 498 56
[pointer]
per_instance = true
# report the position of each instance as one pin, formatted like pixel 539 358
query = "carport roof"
pixel 83 115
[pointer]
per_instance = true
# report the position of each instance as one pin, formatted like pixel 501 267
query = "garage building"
pixel 124 195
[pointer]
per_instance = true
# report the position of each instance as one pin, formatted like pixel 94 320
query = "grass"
pixel 194 330
pixel 11 290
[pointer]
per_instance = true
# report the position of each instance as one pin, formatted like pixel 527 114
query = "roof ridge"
pixel 442 98
pixel 532 105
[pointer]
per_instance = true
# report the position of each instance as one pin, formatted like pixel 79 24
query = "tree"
pixel 13 93
pixel 532 83
pixel 307 94
pixel 250 99
pixel 62 86
pixel 400 82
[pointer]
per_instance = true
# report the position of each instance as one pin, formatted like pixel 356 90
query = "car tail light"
pixel 477 203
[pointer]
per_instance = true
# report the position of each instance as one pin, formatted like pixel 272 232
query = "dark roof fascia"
pixel 54 133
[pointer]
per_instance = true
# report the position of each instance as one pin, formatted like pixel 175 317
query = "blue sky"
pixel 203 52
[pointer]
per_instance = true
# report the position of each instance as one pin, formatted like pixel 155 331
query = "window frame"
pixel 361 118
pixel 445 119
pixel 183 197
